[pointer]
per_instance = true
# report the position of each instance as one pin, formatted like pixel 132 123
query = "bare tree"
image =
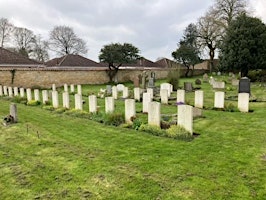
pixel 39 49
pixel 212 27
pixel 5 30
pixel 64 41
pixel 227 10
pixel 210 35
pixel 24 40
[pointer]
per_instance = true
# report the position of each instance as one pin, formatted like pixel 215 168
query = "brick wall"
pixel 44 77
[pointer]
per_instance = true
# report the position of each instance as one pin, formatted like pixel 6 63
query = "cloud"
pixel 153 26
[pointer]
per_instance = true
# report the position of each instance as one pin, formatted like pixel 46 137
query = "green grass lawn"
pixel 55 156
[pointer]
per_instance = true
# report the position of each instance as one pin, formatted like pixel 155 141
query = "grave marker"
pixel 180 96
pixel 185 117
pixel 5 90
pixel 243 102
pixel 145 102
pixel 66 100
pixel 199 96
pixel 44 96
pixel 109 104
pixel 125 92
pixel 79 90
pixel 29 97
pixel 114 92
pixel 154 114
pixel 13 112
pixel 55 101
pixel 78 102
pixel 22 92
pixel 15 91
pixel 219 100
pixel 1 90
pixel 137 93
pixel 92 103
pixel 10 91
pixel 244 85
pixel 130 110
pixel 36 95
pixel 164 96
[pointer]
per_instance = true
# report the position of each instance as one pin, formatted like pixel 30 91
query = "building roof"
pixel 71 60
pixel 167 63
pixel 9 58
pixel 141 62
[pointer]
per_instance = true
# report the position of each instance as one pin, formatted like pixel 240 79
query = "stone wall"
pixel 44 78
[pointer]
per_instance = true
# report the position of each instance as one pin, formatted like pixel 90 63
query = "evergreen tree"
pixel 244 46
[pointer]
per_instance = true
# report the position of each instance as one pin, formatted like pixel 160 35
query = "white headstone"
pixel 164 96
pixel 185 117
pixel 145 102
pixel 72 88
pixel 53 87
pixel 66 100
pixel 114 92
pixel 55 100
pixel 180 96
pixel 211 80
pixel 92 103
pixel 5 90
pixel 22 92
pixel 10 91
pixel 137 93
pixel 109 104
pixel 130 110
pixel 243 102
pixel 125 92
pixel 120 87
pixel 78 102
pixel 219 100
pixel 154 114
pixel 168 87
pixel 79 89
pixel 29 96
pixel 44 96
pixel 65 87
pixel 15 91
pixel 150 91
pixel 1 90
pixel 36 94
pixel 199 97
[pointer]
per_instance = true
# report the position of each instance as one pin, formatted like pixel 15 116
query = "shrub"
pixel 18 99
pixel 173 78
pixel 178 132
pixel 48 103
pixel 98 117
pixel 60 110
pixel 230 107
pixel 33 103
pixel 78 113
pixel 136 124
pixel 114 119
pixel 154 130
pixel 51 108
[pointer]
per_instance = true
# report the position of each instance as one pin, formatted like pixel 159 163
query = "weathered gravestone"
pixel 244 85
pixel 151 82
pixel 120 87
pixel 109 89
pixel 205 78
pixel 188 86
pixel 13 112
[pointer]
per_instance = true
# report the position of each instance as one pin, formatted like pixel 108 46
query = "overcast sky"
pixel 153 26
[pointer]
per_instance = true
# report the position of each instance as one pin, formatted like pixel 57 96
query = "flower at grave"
pixel 180 103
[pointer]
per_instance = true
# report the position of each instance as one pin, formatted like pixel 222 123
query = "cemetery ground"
pixel 51 155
